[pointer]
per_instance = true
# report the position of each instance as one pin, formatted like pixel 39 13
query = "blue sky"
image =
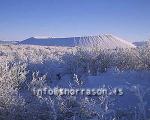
pixel 128 19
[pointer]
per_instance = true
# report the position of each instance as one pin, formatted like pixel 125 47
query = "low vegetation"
pixel 23 68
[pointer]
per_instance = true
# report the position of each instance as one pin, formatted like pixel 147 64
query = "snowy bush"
pixel 19 76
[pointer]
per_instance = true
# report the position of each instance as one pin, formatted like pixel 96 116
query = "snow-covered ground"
pixel 24 67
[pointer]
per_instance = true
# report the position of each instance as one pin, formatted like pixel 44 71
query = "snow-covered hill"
pixel 102 41
pixel 68 42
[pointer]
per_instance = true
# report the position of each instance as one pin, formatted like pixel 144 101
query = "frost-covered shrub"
pixel 145 56
pixel 97 61
pixel 12 76
pixel 127 59
pixel 94 62
pixel 18 77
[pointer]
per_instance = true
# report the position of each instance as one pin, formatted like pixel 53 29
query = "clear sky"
pixel 128 19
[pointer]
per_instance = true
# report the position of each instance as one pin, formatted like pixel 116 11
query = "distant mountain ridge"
pixel 138 44
pixel 102 41
pixel 8 42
